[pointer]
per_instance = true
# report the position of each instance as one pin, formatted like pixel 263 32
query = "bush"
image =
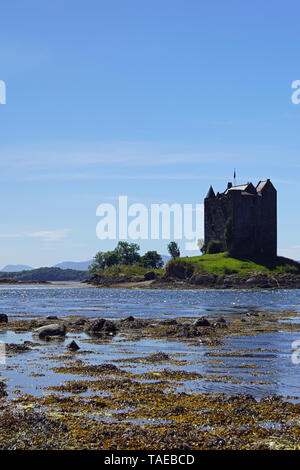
pixel 174 250
pixel 179 269
pixel 151 259
pixel 214 246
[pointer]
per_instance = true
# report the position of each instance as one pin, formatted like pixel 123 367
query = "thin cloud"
pixel 142 154
pixel 44 235
pixel 49 235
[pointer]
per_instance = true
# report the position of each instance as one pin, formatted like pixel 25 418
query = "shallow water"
pixel 26 301
pixel 265 367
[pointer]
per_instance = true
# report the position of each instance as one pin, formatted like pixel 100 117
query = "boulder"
pixel 16 348
pixel 3 318
pixel 205 280
pixel 3 392
pixel 170 321
pixel 158 357
pixel 149 276
pixel 102 326
pixel 73 346
pixel 130 318
pixel 202 321
pixel 221 320
pixel 55 329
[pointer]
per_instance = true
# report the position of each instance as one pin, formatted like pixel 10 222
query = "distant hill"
pixel 47 274
pixel 16 268
pixel 54 273
pixel 76 265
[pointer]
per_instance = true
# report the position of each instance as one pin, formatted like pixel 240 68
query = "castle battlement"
pixel 253 213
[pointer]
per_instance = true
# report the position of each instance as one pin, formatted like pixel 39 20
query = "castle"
pixel 251 215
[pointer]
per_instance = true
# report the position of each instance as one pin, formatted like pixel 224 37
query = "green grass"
pixel 222 264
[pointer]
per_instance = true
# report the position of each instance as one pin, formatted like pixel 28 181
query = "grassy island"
pixel 223 264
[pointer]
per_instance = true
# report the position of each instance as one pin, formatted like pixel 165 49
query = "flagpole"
pixel 234 177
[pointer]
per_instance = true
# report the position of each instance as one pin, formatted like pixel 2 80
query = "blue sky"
pixel 155 100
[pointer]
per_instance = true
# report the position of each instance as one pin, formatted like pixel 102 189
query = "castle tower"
pixel 253 213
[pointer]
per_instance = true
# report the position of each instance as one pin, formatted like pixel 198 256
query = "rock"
pixel 73 346
pixel 205 280
pixel 271 399
pixel 252 313
pixel 202 322
pixel 30 343
pixel 80 322
pixel 220 323
pixel 3 318
pixel 149 276
pixel 52 317
pixel 170 321
pixel 51 330
pixel 221 320
pixel 187 331
pixel 243 398
pixel 133 323
pixel 3 393
pixel 130 318
pixel 16 348
pixel 102 326
pixel 158 357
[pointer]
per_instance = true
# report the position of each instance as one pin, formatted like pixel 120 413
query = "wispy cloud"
pixel 44 235
pixel 62 162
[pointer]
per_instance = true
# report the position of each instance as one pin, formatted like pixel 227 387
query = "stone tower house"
pixel 253 214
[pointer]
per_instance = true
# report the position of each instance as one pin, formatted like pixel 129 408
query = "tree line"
pixel 128 254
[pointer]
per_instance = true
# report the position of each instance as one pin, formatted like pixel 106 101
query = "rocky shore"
pixel 142 400
pixel 199 281
pixel 11 280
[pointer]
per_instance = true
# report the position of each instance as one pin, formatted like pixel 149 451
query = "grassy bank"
pixel 222 264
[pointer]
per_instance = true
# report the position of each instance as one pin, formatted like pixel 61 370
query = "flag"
pixel 234 175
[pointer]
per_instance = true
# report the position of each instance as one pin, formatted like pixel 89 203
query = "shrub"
pixel 179 269
pixel 174 250
pixel 214 246
pixel 151 259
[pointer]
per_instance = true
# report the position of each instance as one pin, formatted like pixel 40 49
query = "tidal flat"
pixel 225 380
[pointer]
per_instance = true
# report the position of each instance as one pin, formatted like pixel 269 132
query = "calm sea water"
pixel 268 369
pixel 117 303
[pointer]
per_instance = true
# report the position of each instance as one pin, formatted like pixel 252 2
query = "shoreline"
pixel 260 282
pixel 200 281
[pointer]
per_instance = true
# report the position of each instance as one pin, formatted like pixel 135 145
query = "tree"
pixel 99 262
pixel 228 234
pixel 173 249
pixel 111 258
pixel 151 259
pixel 127 253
